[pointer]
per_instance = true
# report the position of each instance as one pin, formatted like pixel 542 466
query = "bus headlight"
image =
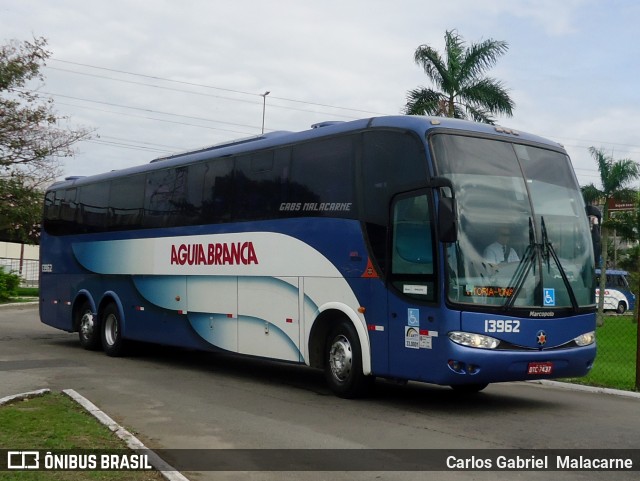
pixel 471 339
pixel 586 339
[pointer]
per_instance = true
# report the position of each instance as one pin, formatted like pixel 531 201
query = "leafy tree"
pixel 463 90
pixel 32 137
pixel 20 211
pixel 615 177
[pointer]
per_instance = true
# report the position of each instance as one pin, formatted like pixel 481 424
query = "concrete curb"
pixel 24 395
pixel 168 471
pixel 592 389
pixel 20 304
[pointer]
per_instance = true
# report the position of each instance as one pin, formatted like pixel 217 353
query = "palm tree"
pixel 615 177
pixel 464 92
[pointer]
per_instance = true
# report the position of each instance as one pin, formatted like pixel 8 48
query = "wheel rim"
pixel 87 325
pixel 341 358
pixel 111 329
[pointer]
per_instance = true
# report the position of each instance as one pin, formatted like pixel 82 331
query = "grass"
pixel 24 294
pixel 54 421
pixel 27 292
pixel 615 365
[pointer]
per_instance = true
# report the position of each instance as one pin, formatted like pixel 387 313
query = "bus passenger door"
pixel 269 317
pixel 412 293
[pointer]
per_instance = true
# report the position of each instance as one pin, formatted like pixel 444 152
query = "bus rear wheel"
pixel 88 327
pixel 622 308
pixel 112 342
pixel 343 363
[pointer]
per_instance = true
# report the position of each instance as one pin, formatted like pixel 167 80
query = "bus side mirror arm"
pixel 447 210
pixel 447 221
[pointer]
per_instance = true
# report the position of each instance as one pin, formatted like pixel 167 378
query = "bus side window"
pixel 322 174
pixel 217 191
pixel 392 161
pixel 52 202
pixel 412 238
pixel 412 248
pixel 165 202
pixel 93 202
pixel 126 200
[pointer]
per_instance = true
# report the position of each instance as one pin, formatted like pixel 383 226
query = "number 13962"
pixel 501 325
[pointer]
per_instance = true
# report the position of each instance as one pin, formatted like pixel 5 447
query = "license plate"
pixel 539 368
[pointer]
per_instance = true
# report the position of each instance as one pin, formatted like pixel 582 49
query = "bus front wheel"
pixel 88 328
pixel 343 363
pixel 622 307
pixel 112 341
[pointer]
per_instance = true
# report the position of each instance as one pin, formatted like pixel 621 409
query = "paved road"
pixel 182 399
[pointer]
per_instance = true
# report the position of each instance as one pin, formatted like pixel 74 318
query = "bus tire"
pixel 343 363
pixel 112 342
pixel 622 307
pixel 88 327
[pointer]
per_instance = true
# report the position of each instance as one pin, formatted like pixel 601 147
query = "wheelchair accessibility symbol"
pixel 413 317
pixel 549 297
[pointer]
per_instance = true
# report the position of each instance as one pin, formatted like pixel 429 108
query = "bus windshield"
pixel 523 239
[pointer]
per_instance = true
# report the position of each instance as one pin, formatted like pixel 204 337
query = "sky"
pixel 152 78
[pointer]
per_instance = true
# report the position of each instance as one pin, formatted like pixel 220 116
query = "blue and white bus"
pixel 617 295
pixel 363 248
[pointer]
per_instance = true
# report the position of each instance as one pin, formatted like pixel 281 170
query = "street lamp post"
pixel 264 106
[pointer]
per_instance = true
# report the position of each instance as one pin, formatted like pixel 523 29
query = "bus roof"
pixel 420 124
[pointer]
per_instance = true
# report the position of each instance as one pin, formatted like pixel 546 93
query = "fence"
pixel 617 364
pixel 27 269
pixel 22 260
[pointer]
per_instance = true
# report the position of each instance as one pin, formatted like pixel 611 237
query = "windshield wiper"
pixel 522 271
pixel 550 252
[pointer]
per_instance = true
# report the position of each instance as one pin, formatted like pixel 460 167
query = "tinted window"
pixel 126 200
pixel 68 208
pixel 52 205
pixel 249 187
pixel 217 195
pixel 165 201
pixel 261 184
pixel 93 201
pixel 52 202
pixel 322 178
pixel 392 162
pixel 194 194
